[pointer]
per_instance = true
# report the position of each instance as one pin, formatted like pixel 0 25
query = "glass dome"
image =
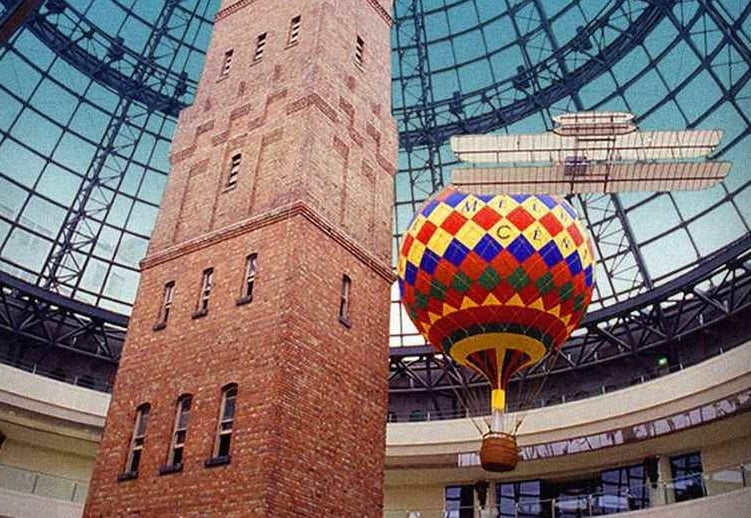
pixel 88 102
pixel 90 89
pixel 473 66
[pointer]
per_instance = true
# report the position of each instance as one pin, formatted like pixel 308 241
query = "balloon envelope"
pixel 496 282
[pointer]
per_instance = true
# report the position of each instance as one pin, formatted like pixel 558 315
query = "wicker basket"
pixel 499 452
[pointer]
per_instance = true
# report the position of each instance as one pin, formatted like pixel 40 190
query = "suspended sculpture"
pixel 498 280
pixel 496 283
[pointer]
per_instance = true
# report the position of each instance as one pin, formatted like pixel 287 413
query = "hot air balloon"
pixel 496 282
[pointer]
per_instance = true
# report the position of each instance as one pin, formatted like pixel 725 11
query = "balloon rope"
pixel 537 392
pixel 459 396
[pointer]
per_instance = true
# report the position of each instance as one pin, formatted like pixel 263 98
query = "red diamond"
pixel 453 298
pixel 445 272
pixel 503 292
pixel 407 244
pixel 529 293
pixel 575 234
pixel 453 223
pixel 486 218
pixel 476 293
pixel 505 263
pixel 551 299
pixel 435 306
pixel 409 295
pixel 551 224
pixel 422 282
pixel 520 218
pixel 473 265
pixel 426 232
pixel 535 267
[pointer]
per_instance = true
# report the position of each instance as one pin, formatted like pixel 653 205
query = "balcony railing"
pixel 425 413
pixel 599 504
pixel 43 484
pixel 59 375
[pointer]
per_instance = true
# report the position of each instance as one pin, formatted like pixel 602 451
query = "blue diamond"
pixel 550 254
pixel 520 197
pixel 589 276
pixel 429 261
pixel 456 252
pixel 432 204
pixel 549 201
pixel 485 198
pixel 574 263
pixel 571 211
pixel 488 248
pixel 521 249
pixel 410 274
pixel 455 198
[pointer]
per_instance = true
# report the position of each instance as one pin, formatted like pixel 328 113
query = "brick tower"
pixel 253 379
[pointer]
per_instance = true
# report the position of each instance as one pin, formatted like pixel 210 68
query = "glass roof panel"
pixel 459 67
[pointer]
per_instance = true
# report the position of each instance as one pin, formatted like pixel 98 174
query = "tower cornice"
pixel 241 4
pixel 297 208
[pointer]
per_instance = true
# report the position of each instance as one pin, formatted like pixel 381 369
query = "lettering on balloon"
pixel 504 231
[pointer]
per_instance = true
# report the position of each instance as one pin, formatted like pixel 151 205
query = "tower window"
pixel 207 284
pixel 260 46
pixel 294 31
pixel 234 169
pixel 227 64
pixel 251 270
pixel 137 442
pixel 344 301
pixel 175 456
pixel 166 307
pixel 224 428
pixel 360 52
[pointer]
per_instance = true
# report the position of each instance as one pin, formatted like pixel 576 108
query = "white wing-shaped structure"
pixel 601 178
pixel 589 152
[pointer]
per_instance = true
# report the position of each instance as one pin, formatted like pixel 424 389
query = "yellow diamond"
pixel 470 234
pixel 535 207
pixel 439 241
pixel 439 214
pixel 537 235
pixel 416 252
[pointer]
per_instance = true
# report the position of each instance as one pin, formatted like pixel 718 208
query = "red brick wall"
pixel 314 200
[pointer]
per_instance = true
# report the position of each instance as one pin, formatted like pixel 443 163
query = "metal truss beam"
pixel 71 253
pixel 107 60
pixel 713 292
pixel 418 92
pixel 31 314
pixel 565 84
pixel 17 12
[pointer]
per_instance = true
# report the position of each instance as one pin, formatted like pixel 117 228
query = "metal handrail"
pixel 46 485
pixel 424 414
pixel 79 381
pixel 591 504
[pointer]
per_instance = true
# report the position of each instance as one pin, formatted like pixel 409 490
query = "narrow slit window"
pixel 294 31
pixel 360 52
pixel 137 441
pixel 169 293
pixel 344 300
pixel 260 46
pixel 251 270
pixel 207 284
pixel 234 169
pixel 226 420
pixel 177 448
pixel 227 64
